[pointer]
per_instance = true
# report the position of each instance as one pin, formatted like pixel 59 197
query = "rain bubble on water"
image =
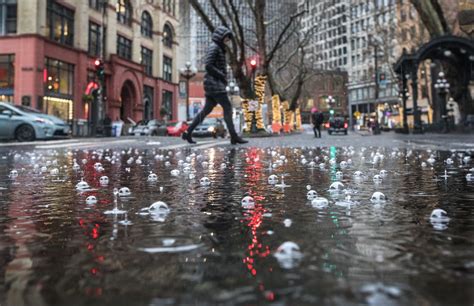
pixel 339 175
pixel 124 192
pixel 470 177
pixel 288 255
pixel 205 181
pixel 152 177
pixel 82 185
pixel 287 222
pixel 439 219
pixel 272 179
pixel 378 197
pixel 91 200
pixel 319 202
pixel 175 172
pixel 377 179
pixel 248 202
pixel 104 180
pixel 336 187
pixel 310 195
pixel 13 174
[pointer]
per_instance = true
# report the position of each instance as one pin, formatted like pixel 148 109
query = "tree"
pixel 248 41
pixel 432 16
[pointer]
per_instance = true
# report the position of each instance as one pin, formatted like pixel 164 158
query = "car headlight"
pixel 211 129
pixel 43 121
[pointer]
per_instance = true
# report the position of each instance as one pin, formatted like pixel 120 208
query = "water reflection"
pixel 57 246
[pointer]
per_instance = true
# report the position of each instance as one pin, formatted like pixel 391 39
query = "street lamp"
pixel 232 89
pixel 188 73
pixel 442 87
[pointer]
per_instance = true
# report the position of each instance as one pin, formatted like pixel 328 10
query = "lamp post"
pixel 232 89
pixel 188 73
pixel 442 87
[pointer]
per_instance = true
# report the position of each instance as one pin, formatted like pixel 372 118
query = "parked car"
pixel 62 129
pixel 23 126
pixel 210 127
pixel 337 125
pixel 147 128
pixel 176 128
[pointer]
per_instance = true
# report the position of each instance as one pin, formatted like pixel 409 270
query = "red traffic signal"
pixel 253 63
pixel 97 62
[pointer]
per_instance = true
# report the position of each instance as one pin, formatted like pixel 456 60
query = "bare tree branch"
pixel 277 45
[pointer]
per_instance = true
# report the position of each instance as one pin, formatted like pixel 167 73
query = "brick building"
pixel 48 48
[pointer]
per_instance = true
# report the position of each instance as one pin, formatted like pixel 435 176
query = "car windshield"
pixel 152 122
pixel 209 121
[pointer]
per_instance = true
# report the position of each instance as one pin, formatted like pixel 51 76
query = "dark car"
pixel 337 125
pixel 210 127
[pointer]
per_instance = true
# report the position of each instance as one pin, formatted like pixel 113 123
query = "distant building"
pixel 48 48
pixel 329 42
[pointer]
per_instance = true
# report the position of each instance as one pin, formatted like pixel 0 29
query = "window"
pixel 59 77
pixel 96 4
pixel 168 36
pixel 124 47
pixel 8 14
pixel 147 24
pixel 94 39
pixel 124 12
pixel 167 69
pixel 167 103
pixel 147 60
pixel 60 23
pixel 7 77
pixel 169 6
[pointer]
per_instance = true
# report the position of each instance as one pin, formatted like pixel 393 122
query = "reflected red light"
pixel 94 271
pixel 270 296
pixel 95 233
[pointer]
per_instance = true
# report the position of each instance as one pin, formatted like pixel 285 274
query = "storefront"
pixel 7 77
pixel 59 85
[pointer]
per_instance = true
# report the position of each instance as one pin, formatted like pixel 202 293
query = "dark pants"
pixel 211 102
pixel 316 130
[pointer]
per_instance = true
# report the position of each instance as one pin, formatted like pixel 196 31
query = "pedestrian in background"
pixel 317 118
pixel 215 82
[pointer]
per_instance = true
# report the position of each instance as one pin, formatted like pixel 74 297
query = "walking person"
pixel 317 118
pixel 215 82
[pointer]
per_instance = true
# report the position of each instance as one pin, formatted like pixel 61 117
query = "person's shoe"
pixel 237 140
pixel 186 136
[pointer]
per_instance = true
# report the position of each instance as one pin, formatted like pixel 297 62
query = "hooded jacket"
pixel 215 79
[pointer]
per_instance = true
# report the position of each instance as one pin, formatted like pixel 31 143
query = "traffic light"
pixel 99 69
pixel 253 63
pixel 331 111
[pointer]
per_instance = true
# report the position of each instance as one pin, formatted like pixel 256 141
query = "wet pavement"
pixel 228 232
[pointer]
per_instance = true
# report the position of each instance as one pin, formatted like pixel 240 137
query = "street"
pixel 304 139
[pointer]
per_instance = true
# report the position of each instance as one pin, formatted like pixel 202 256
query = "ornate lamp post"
pixel 187 72
pixel 442 87
pixel 233 90
pixel 404 95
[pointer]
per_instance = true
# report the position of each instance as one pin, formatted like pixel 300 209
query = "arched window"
pixel 124 12
pixel 168 36
pixel 147 24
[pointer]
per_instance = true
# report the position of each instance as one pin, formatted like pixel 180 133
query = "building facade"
pixel 328 21
pixel 48 49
